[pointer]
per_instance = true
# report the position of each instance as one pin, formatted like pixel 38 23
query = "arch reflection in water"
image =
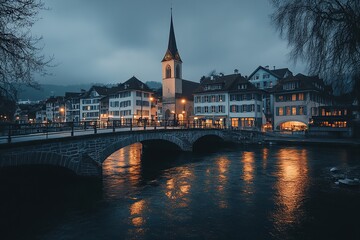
pixel 122 170
pixel 291 185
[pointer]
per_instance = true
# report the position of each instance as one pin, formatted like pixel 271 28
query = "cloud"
pixel 110 41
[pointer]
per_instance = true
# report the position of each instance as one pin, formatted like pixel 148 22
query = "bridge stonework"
pixel 84 155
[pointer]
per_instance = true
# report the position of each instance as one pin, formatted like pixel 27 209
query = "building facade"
pixel 297 100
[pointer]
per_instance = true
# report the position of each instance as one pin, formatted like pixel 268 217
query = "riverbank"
pixel 303 140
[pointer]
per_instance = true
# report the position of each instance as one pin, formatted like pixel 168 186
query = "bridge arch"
pixel 140 138
pixel 39 158
pixel 199 135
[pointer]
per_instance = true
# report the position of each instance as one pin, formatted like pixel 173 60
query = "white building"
pixel 90 103
pixel 229 100
pixel 130 100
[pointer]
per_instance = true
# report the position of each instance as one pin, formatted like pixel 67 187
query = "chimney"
pixel 274 67
pixel 267 67
pixel 236 71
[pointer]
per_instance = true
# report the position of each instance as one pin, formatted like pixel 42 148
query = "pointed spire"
pixel 172 51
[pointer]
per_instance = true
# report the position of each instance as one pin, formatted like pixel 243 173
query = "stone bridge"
pixel 84 155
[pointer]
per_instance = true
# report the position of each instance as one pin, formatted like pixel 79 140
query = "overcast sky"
pixel 109 41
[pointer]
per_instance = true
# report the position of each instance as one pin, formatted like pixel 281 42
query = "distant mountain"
pixel 153 85
pixel 48 90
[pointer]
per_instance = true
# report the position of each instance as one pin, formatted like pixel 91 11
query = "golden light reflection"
pixel 223 164
pixel 122 169
pixel 248 166
pixel 292 182
pixel 265 155
pixel 137 207
pixel 179 187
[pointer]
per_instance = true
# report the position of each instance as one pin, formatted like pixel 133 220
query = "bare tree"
pixel 325 34
pixel 20 55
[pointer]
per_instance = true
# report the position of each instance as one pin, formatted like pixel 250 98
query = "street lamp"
pixel 62 114
pixel 183 101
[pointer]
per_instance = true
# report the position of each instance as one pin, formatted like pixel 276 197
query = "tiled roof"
pixel 188 88
pixel 229 83
pixel 305 83
pixel 134 84
pixel 279 73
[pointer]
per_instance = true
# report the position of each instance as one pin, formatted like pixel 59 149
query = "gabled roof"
pixel 188 88
pixel 71 95
pixel 102 91
pixel 305 83
pixel 172 52
pixel 279 73
pixel 133 84
pixel 225 81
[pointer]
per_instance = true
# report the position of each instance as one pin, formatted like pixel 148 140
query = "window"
pixel 302 110
pixel 293 97
pixel 138 93
pixel 146 95
pixel 198 109
pixel 213 98
pixel 233 108
pixel 177 72
pixel 213 109
pixel 198 99
pixel 265 84
pixel 293 110
pixel 266 75
pixel 301 97
pixel 168 72
pixel 221 109
pixel 288 113
pixel 206 98
pixel 281 111
pixel 221 98
pixel 257 77
pixel 206 109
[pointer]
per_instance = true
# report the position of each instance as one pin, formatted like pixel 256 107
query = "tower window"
pixel 177 72
pixel 168 71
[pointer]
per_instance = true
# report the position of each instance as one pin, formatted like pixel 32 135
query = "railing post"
pixel 113 125
pixel 9 134
pixel 165 124
pixel 154 124
pixel 145 122
pixel 131 124
pixel 72 128
pixel 95 129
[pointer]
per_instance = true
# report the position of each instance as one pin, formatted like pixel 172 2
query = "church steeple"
pixel 172 52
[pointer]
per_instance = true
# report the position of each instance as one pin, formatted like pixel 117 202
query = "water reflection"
pixel 248 166
pixel 291 185
pixel 223 166
pixel 179 186
pixel 123 170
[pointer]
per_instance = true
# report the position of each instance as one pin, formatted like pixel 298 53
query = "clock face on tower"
pixel 168 56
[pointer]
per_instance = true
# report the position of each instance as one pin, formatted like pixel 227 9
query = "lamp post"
pixel 62 113
pixel 183 101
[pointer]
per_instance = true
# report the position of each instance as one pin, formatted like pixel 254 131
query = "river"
pixel 244 192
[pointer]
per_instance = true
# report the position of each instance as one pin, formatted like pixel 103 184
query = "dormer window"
pixel 290 85
pixel 242 86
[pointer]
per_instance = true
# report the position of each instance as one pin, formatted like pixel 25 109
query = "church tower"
pixel 171 76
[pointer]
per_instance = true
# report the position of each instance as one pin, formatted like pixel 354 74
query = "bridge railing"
pixel 35 131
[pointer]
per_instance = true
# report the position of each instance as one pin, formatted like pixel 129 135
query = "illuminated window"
pixel 293 97
pixel 293 110
pixel 288 111
pixel 281 111
pixel 301 97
